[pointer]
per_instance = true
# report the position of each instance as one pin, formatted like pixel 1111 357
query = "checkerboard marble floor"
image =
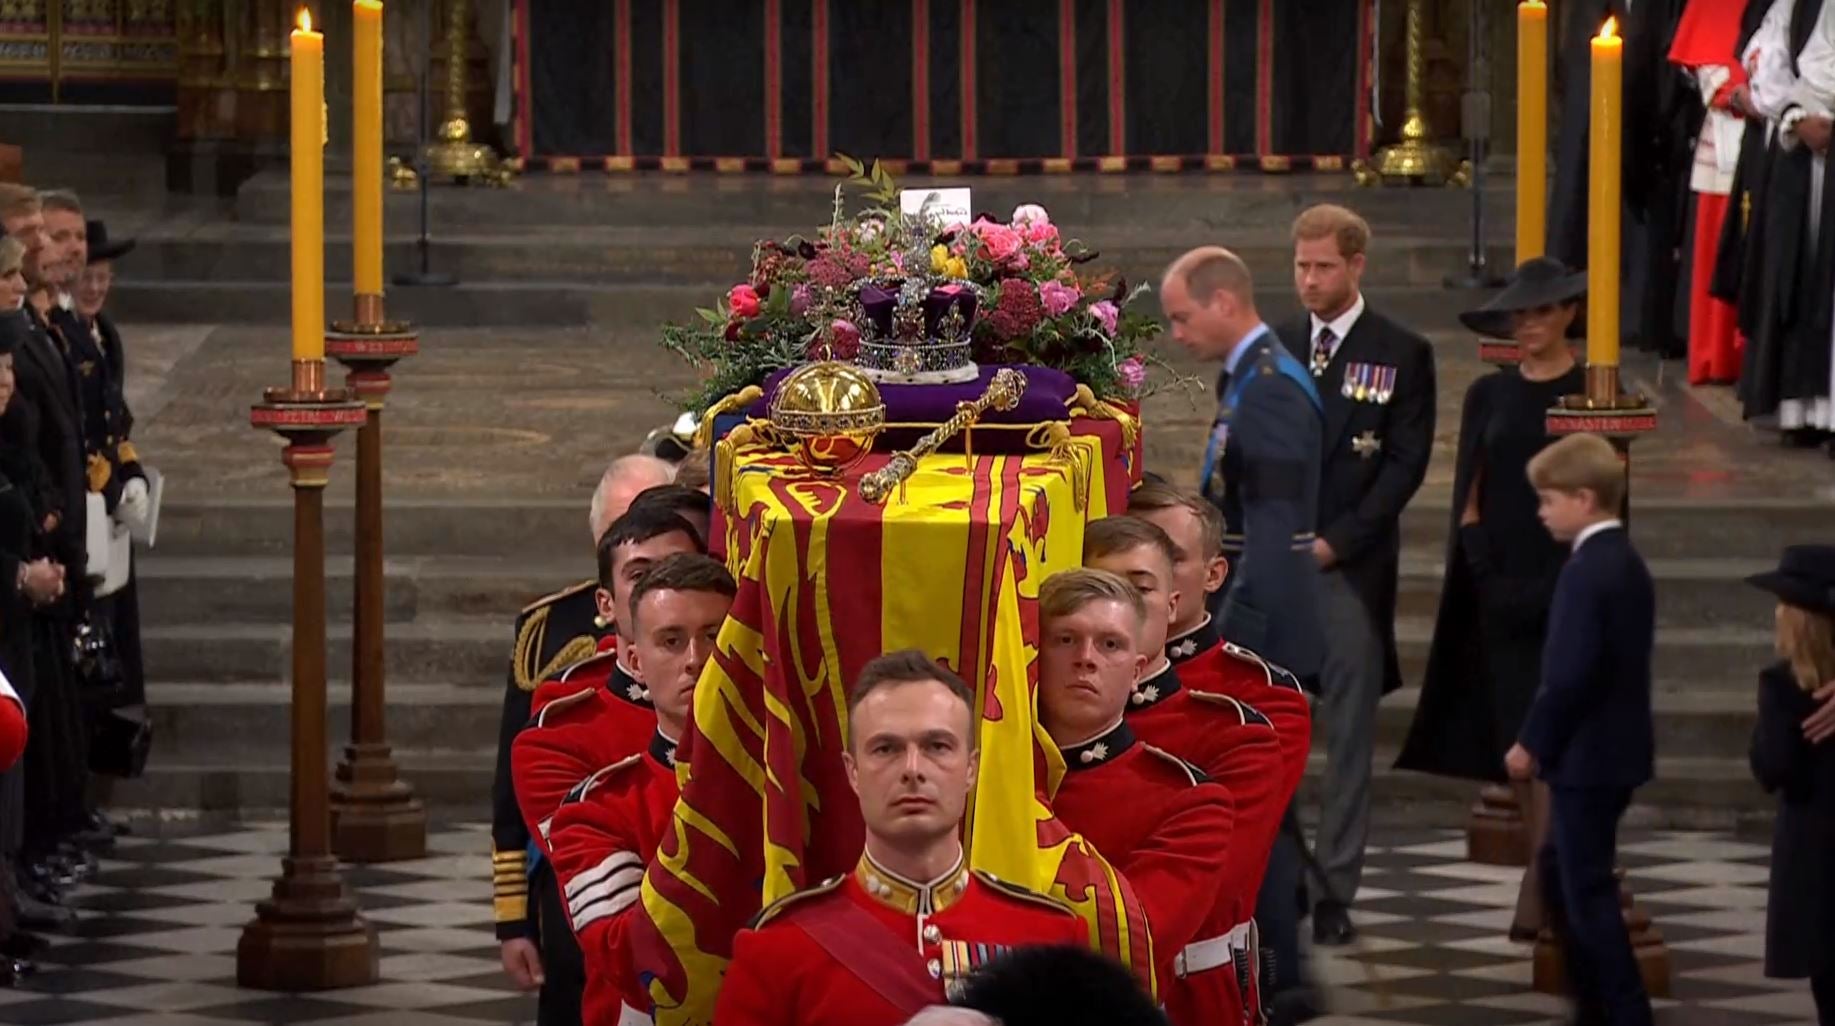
pixel 156 942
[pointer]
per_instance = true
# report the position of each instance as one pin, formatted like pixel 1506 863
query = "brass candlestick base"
pixel 308 935
pixel 1416 159
pixel 307 389
pixel 375 815
pixel 1603 410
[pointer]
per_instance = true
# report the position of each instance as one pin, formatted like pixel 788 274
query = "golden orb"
pixel 831 412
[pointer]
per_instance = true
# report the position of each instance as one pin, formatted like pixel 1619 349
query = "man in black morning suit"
pixel 1376 381
pixel 1261 468
pixel 1589 734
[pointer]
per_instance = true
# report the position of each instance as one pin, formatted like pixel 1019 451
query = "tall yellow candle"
pixel 1531 128
pixel 307 61
pixel 1604 161
pixel 366 145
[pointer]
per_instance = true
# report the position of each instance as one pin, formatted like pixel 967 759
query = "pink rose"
pixel 799 300
pixel 1041 233
pixel 742 300
pixel 1106 315
pixel 1001 243
pixel 1029 214
pixel 1133 374
pixel 1058 297
pixel 844 337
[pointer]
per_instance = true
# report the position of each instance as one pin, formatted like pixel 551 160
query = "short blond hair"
pixel 1209 270
pixel 1806 640
pixel 1342 224
pixel 1067 591
pixel 12 255
pixel 1581 463
pixel 18 200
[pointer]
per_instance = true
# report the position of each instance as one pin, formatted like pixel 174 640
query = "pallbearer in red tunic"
pixel 1205 660
pixel 1707 47
pixel 1230 741
pixel 599 712
pixel 609 826
pixel 1159 820
pixel 875 947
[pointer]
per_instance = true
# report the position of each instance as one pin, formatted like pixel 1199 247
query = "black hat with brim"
pixel 1543 281
pixel 1805 578
pixel 101 247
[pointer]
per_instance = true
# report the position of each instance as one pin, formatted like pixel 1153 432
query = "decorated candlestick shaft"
pixel 1531 129
pixel 1605 160
pixel 307 160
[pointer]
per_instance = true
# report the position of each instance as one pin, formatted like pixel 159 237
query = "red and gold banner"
pixel 952 566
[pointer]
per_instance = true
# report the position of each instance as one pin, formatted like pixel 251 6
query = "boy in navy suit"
pixel 1588 734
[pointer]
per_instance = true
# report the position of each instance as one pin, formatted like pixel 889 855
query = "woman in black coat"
pixel 1800 910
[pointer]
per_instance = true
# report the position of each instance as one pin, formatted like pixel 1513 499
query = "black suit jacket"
pixel 1375 457
pixel 47 383
pixel 1590 724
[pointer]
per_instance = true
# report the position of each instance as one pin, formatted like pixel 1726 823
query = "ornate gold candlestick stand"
pixel 1416 159
pixel 307 935
pixel 375 816
pixel 455 156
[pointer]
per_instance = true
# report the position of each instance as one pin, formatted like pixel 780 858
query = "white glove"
pixel 132 509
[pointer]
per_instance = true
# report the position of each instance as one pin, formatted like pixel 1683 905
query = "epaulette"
pixel 553 597
pixel 1250 715
pixel 526 663
pixel 1196 775
pixel 584 787
pixel 1278 676
pixel 776 908
pixel 563 702
pixel 1026 894
pixel 568 672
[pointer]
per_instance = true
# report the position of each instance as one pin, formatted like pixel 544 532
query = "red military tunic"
pixel 1206 662
pixel 595 670
pixel 872 948
pixel 575 735
pixel 604 836
pixel 1236 746
pixel 1166 828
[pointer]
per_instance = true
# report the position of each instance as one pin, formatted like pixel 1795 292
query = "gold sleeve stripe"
pixel 126 453
pixel 510 910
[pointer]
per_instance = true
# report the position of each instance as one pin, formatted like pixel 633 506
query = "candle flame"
pixel 305 19
pixel 1610 29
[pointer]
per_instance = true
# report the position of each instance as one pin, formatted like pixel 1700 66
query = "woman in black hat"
pixel 1789 762
pixel 1501 563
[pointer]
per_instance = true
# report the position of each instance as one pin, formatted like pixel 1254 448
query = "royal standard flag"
pixel 826 582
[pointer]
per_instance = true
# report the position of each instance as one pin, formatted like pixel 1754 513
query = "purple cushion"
pixel 1047 397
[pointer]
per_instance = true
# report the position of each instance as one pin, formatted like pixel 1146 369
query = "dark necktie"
pixel 1323 347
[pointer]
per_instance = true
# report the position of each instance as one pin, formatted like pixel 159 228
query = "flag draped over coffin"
pixel 826 582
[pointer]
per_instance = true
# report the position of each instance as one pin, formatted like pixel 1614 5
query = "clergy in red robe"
pixel 1706 46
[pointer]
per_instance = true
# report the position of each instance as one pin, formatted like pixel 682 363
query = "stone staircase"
pixel 216 597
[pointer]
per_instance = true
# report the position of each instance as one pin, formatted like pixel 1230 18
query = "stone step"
pixel 109 155
pixel 538 304
pixel 1688 792
pixel 258 589
pixel 1222 203
pixel 1745 532
pixel 716 257
pixel 468 652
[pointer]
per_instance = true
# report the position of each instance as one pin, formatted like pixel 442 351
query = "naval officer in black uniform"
pixel 1261 468
pixel 552 633
pixel 1376 382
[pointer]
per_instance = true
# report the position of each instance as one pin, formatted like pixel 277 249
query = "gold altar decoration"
pixel 1416 159
pixel 1003 393
pixel 828 414
pixel 454 155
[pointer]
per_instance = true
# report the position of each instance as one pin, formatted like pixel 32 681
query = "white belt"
pixel 628 1016
pixel 1202 956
